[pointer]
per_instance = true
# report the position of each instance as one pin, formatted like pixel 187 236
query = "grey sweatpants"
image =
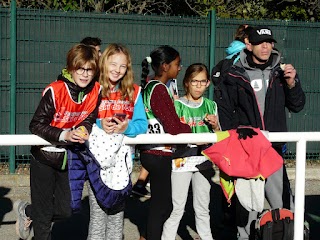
pixel 103 226
pixel 201 198
pixel 278 195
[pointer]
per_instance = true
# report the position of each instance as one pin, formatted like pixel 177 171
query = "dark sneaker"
pixel 141 191
pixel 23 222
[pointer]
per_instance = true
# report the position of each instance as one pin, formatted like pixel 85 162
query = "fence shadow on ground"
pixel 76 227
pixel 5 203
pixel 312 215
pixel 137 210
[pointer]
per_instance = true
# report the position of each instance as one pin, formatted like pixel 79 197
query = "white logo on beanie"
pixel 264 32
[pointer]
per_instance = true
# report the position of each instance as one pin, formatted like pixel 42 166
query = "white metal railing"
pixel 301 139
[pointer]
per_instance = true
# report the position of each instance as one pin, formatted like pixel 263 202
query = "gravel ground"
pixel 13 186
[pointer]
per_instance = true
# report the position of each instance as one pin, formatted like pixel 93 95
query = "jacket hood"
pixel 244 62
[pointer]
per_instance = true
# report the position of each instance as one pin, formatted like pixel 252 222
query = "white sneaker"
pixel 23 222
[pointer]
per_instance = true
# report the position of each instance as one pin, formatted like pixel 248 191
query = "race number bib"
pixel 187 164
pixel 154 126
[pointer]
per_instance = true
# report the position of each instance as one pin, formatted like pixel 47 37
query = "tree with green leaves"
pixel 306 10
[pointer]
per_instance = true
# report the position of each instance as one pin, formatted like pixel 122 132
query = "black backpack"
pixel 276 224
pixel 218 72
pixel 220 95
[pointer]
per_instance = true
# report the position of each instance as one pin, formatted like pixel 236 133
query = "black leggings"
pixel 159 168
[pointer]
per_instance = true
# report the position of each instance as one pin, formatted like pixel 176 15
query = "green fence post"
pixel 13 78
pixel 212 47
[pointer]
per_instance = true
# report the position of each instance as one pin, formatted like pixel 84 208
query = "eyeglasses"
pixel 195 82
pixel 81 70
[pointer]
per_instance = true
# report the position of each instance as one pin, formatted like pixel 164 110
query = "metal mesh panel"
pixel 44 37
pixel 4 77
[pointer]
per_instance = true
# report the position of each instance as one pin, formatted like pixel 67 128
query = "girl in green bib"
pixel 201 114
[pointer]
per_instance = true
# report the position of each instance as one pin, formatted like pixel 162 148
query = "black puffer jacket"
pixel 40 123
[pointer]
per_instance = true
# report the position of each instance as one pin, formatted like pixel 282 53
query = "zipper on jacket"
pixel 254 94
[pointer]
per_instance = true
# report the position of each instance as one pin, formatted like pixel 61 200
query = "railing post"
pixel 300 189
pixel 13 79
pixel 212 47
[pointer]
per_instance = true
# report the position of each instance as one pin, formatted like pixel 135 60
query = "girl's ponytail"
pixel 144 73
pixel 159 56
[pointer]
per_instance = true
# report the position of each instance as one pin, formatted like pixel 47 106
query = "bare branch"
pixel 186 1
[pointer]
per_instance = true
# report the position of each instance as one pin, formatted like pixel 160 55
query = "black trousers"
pixel 50 198
pixel 159 168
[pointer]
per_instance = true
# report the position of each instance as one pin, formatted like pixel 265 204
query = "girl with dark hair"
pixel 162 118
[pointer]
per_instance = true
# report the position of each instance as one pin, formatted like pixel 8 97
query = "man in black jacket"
pixel 258 88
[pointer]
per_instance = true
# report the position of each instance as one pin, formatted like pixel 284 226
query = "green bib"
pixel 154 125
pixel 194 116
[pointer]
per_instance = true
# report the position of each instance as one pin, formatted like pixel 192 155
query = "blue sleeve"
pixel 98 122
pixel 138 124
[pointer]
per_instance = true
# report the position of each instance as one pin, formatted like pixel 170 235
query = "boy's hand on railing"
pixel 79 135
pixel 83 133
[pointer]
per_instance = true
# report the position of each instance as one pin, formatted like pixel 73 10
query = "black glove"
pixel 183 151
pixel 205 165
pixel 245 132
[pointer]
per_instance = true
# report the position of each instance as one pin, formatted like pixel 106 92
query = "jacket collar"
pixel 77 92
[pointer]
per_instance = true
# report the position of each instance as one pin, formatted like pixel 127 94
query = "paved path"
pixel 16 186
